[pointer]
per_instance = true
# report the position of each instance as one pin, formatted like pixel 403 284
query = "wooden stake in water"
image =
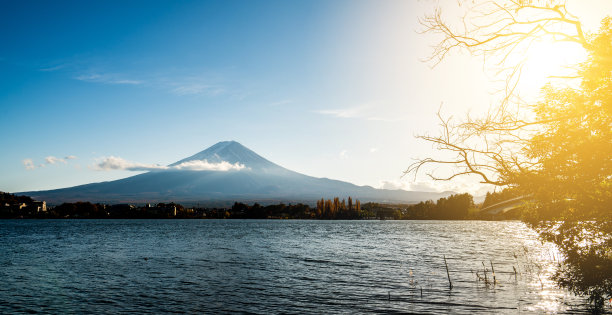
pixel 450 284
pixel 493 271
pixel 485 273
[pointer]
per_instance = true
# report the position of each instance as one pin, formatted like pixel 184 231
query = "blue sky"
pixel 328 88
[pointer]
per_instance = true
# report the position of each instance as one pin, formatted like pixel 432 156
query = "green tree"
pixel 556 151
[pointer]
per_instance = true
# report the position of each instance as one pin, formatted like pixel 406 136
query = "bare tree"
pixel 492 146
pixel 558 150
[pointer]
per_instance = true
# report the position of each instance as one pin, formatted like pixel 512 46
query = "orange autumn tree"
pixel 557 150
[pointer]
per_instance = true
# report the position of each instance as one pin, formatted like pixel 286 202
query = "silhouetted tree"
pixel 454 207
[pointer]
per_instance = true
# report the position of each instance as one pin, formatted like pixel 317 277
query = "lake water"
pixel 274 266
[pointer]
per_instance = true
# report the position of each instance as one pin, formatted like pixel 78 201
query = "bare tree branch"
pixel 493 147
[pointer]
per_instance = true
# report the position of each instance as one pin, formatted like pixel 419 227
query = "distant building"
pixel 41 206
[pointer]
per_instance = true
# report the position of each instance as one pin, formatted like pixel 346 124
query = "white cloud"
pixel 344 154
pixel 29 164
pixel 203 165
pixel 53 160
pixel 373 150
pixel 49 160
pixel 117 163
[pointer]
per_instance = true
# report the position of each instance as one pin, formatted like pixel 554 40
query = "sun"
pixel 550 62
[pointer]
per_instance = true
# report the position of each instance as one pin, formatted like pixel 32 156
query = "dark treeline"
pixel 279 211
pixel 12 206
pixel 8 199
pixel 454 207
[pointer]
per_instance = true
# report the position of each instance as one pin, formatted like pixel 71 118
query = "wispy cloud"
pixel 411 186
pixel 126 81
pixel 53 160
pixel 49 160
pixel 354 112
pixel 176 85
pixel 117 163
pixel 53 68
pixel 473 188
pixel 192 89
pixel 107 79
pixel 373 150
pixel 28 164
pixel 191 85
pixel 181 82
pixel 344 154
pixel 89 77
pixel 364 112
pixel 280 103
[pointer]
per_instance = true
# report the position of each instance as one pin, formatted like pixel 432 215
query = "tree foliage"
pixel 454 207
pixel 497 197
pixel 556 151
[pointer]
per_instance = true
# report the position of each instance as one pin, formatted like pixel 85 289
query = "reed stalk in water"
pixel 450 284
pixel 493 271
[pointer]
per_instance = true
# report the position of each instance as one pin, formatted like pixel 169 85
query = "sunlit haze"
pixel 334 89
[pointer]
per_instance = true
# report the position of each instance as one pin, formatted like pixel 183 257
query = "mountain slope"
pixel 260 180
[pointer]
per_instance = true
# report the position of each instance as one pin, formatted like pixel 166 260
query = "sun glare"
pixel 547 62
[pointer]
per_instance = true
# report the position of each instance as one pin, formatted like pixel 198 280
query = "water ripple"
pixel 262 267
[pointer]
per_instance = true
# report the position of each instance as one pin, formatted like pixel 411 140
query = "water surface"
pixel 274 266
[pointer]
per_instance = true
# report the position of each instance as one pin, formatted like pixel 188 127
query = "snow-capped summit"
pixel 233 153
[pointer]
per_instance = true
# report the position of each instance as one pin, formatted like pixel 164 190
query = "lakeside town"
pixel 454 207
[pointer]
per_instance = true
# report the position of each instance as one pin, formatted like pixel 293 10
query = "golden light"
pixel 552 62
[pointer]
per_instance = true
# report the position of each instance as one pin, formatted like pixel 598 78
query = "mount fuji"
pixel 255 180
